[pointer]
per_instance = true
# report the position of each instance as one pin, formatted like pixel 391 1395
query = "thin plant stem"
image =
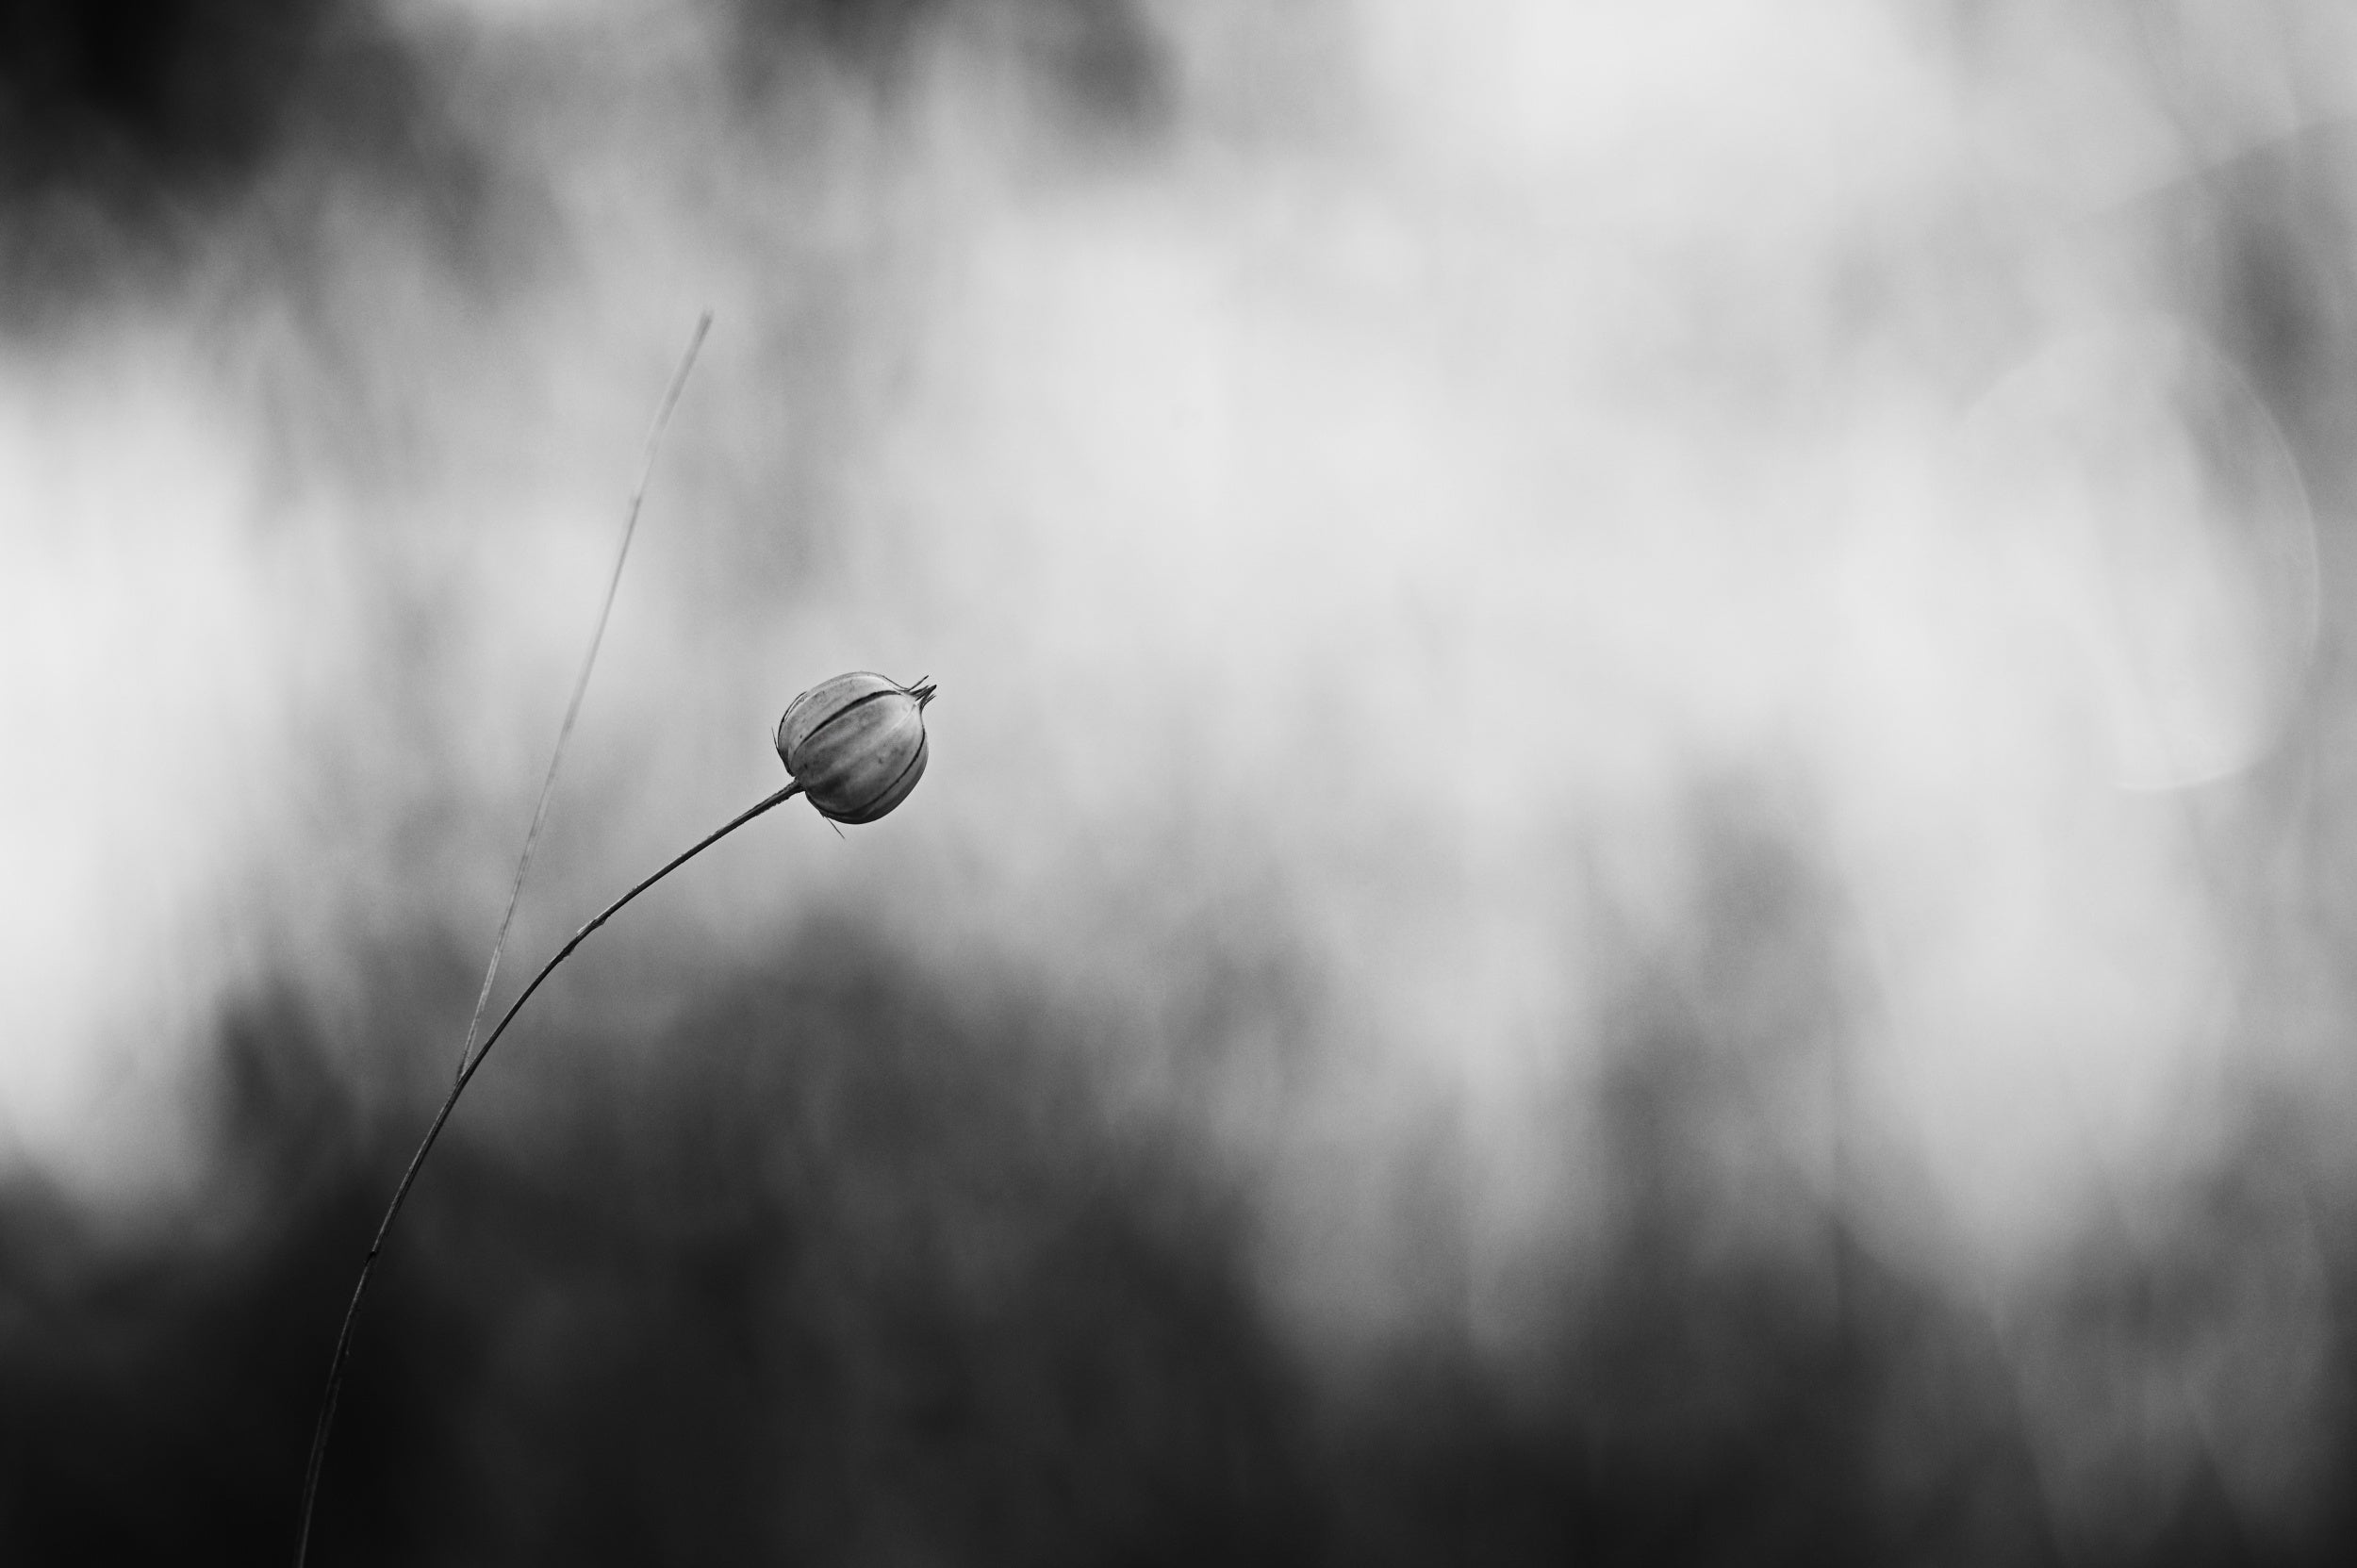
pixel 409 1177
pixel 581 684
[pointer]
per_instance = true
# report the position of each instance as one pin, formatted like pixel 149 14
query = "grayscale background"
pixel 1641 844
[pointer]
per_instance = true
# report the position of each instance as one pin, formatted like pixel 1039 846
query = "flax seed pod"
pixel 856 744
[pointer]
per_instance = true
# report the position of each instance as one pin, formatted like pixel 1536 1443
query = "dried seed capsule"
pixel 856 744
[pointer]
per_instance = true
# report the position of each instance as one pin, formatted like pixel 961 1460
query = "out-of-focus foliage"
pixel 1642 851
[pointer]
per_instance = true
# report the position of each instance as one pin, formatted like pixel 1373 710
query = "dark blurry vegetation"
pixel 128 128
pixel 856 1264
pixel 1098 59
pixel 2258 244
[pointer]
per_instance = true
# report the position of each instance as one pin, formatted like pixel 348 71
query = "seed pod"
pixel 856 744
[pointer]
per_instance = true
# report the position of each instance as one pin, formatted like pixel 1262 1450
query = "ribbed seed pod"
pixel 856 744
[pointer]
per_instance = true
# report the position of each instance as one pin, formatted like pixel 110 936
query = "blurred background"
pixel 1640 836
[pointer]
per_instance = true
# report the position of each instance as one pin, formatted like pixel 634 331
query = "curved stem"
pixel 409 1177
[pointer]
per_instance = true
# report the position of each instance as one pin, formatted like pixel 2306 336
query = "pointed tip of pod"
pixel 856 744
